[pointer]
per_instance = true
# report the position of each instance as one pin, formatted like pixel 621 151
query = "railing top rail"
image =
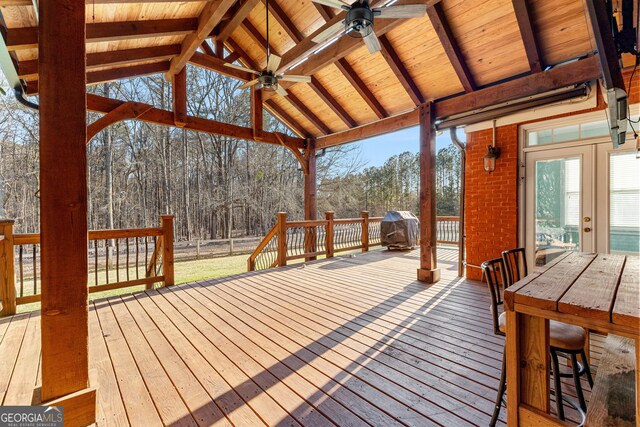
pixel 34 238
pixel 264 242
pixel 316 222
pixel 447 218
pixel 348 221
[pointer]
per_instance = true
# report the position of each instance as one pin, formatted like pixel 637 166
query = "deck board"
pixel 349 341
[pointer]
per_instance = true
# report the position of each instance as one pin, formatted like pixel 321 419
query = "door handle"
pixel 587 229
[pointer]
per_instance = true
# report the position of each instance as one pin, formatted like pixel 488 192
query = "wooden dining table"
pixel 599 292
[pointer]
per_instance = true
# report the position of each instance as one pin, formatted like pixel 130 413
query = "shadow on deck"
pixel 349 341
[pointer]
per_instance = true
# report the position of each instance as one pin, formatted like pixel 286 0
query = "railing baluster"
pixel 35 272
pixel 107 249
pixel 155 261
pixel 95 264
pixel 127 263
pixel 146 252
pixel 21 265
pixel 137 256
pixel 117 260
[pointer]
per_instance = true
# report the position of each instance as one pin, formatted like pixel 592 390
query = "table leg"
pixel 527 364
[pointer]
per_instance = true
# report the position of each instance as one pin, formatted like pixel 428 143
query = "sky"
pixel 375 151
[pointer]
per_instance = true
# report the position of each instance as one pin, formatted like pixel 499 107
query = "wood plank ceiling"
pixel 459 46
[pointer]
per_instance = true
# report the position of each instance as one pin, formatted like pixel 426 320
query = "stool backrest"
pixel 494 271
pixel 515 262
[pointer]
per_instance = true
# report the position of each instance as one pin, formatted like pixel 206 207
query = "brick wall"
pixel 491 200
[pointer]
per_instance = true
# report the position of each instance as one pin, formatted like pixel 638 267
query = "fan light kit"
pixel 268 79
pixel 360 17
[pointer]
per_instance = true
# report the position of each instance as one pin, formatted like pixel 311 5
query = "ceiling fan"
pixel 268 79
pixel 359 20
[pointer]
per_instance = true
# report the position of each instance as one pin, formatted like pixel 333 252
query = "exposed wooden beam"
pixel 179 97
pixel 339 49
pixel 206 48
pixel 525 24
pixel 257 37
pixel 90 2
pixel 285 22
pixel 570 74
pixel 332 103
pixel 232 57
pixel 27 38
pixel 240 12
pixel 216 64
pixel 128 110
pixel 380 127
pixel 28 70
pixel 361 88
pixel 63 210
pixel 210 16
pixel 451 48
pixel 609 61
pixel 256 111
pixel 400 71
pixel 325 11
pixel 308 114
pixel 95 77
pixel 158 116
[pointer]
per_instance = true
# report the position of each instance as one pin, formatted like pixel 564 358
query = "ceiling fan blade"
pixel 238 67
pixel 273 63
pixel 329 32
pixel 281 91
pixel 332 3
pixel 249 84
pixel 372 43
pixel 403 11
pixel 295 78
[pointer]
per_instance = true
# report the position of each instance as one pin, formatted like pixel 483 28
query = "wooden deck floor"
pixel 350 341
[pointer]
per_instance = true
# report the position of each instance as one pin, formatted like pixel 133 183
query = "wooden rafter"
pixel 27 38
pixel 339 49
pixel 308 114
pixel 285 22
pixel 211 16
pixel 451 48
pixel 400 71
pixel 325 12
pixel 570 74
pixel 4 3
pixel 206 48
pixel 128 110
pixel 257 37
pixel 240 12
pixel 95 77
pixel 525 24
pixel 216 64
pixel 158 116
pixel 285 118
pixel 28 70
pixel 361 88
pixel 332 103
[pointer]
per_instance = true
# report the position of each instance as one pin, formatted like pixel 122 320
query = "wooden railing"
pixel 116 259
pixel 292 240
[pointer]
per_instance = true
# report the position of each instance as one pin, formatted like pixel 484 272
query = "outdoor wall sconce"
pixel 489 160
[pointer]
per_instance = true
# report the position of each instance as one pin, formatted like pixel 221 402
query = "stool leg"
pixel 577 382
pixel 587 370
pixel 556 379
pixel 501 389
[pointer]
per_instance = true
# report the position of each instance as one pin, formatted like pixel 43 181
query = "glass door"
pixel 558 202
pixel 618 194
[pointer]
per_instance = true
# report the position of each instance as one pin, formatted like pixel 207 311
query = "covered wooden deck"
pixel 350 341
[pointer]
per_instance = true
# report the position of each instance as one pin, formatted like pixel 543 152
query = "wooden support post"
pixel 329 234
pixel 512 352
pixel 428 271
pixel 310 200
pixel 167 250
pixel 256 112
pixel 7 276
pixel 365 231
pixel 63 209
pixel 282 239
pixel 179 93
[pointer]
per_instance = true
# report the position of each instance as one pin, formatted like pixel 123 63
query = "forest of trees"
pixel 215 186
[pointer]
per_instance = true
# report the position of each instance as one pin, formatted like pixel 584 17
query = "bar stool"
pixel 562 337
pixel 570 340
